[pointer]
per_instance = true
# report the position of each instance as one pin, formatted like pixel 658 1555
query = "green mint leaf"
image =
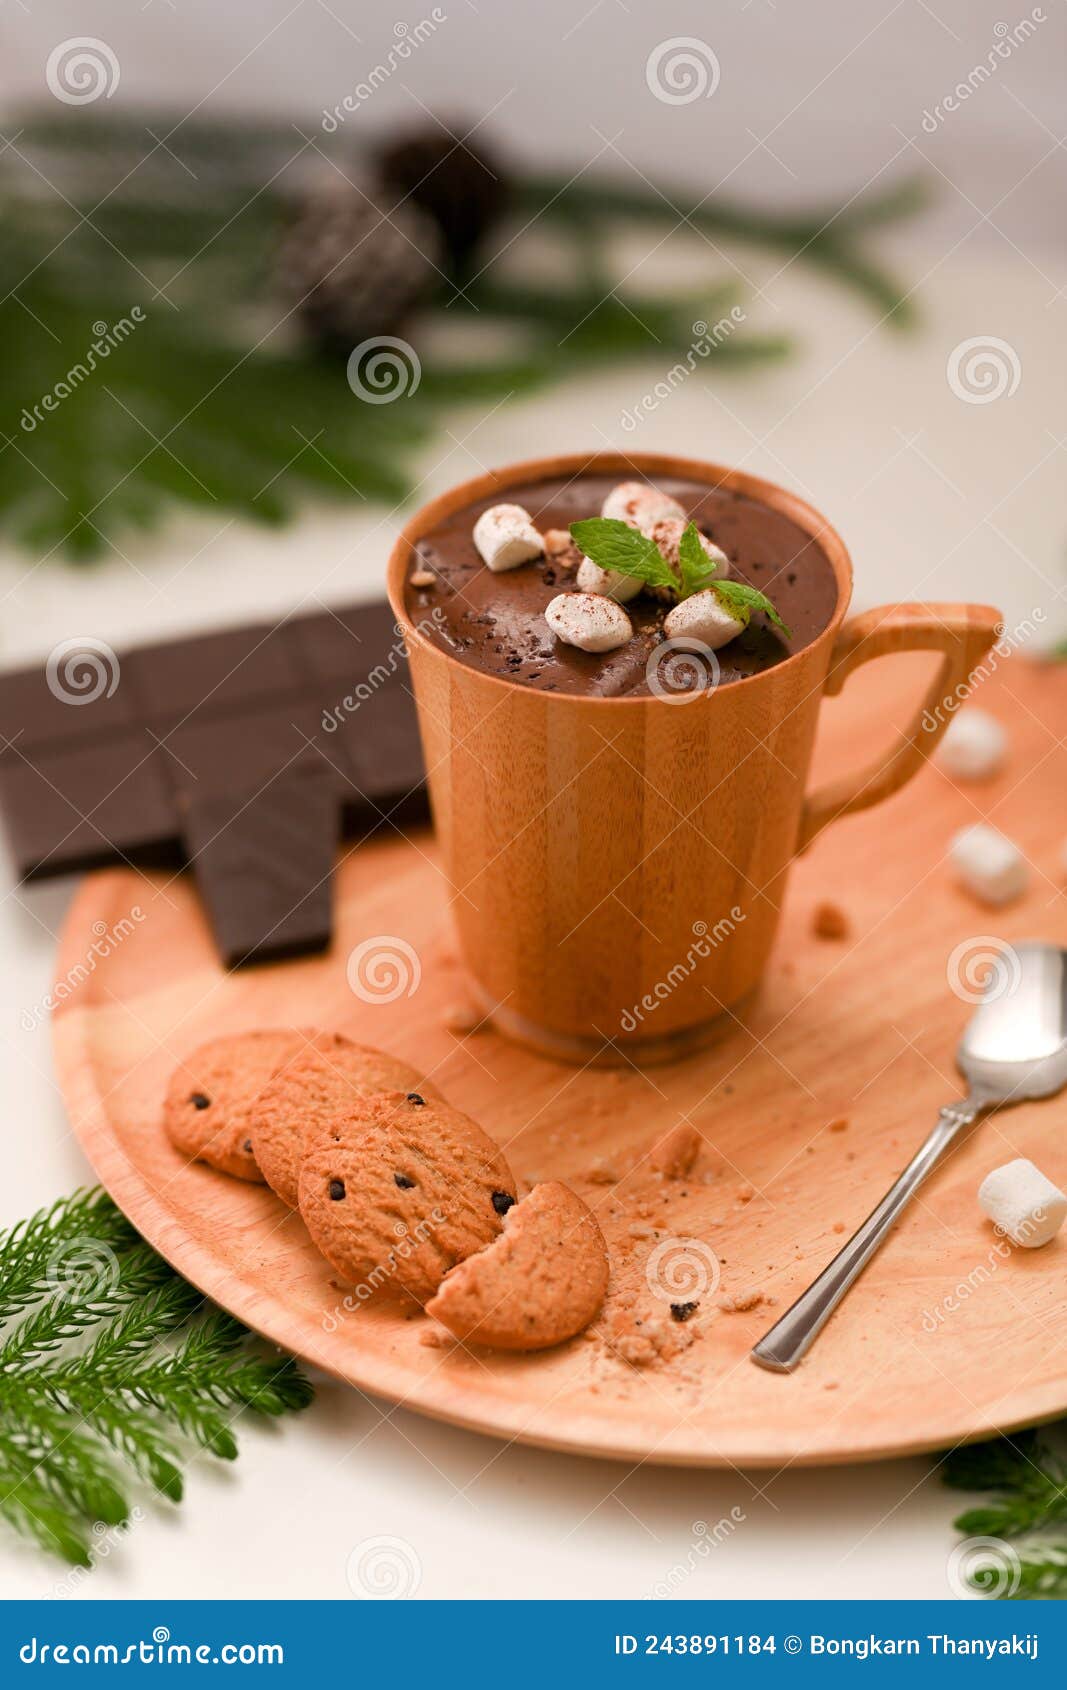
pixel 739 596
pixel 696 566
pixel 615 545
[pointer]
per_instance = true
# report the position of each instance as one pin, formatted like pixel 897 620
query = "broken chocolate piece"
pixel 263 860
pixel 187 752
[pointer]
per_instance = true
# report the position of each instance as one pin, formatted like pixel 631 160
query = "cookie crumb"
pixel 673 1155
pixel 830 922
pixel 741 1301
pixel 557 540
pixel 682 1311
pixel 461 1020
pixel 424 578
pixel 601 1172
pixel 431 1339
pixel 745 1193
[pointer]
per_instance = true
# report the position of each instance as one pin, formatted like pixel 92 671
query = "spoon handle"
pixel 789 1338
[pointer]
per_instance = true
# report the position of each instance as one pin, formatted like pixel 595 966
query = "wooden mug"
pixel 617 865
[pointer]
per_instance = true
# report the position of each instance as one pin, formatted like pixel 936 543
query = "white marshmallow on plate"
pixel 990 866
pixel 704 620
pixel 505 537
pixel 588 621
pixel 609 583
pixel 640 505
pixel 973 746
pixel 1023 1203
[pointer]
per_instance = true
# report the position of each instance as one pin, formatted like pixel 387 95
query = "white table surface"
pixel 939 499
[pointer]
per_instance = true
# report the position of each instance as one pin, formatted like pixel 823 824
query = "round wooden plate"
pixel 948 1336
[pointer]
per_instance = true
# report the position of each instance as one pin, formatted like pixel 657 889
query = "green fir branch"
pixel 1027 1510
pixel 115 1368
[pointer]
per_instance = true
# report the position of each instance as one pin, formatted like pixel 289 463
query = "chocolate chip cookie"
pixel 206 1113
pixel 540 1282
pixel 398 1188
pixel 331 1074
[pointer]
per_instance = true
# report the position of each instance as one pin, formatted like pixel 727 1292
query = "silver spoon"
pixel 1014 1047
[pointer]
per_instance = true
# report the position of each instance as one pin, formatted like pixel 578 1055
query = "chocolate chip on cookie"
pixel 540 1282
pixel 418 1190
pixel 328 1076
pixel 213 1092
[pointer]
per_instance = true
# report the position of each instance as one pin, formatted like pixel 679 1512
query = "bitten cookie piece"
pixel 542 1281
pixel 397 1189
pixel 327 1077
pixel 206 1113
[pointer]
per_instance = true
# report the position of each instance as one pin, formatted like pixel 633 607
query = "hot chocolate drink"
pixel 506 589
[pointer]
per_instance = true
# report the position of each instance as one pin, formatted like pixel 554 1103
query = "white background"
pixel 938 498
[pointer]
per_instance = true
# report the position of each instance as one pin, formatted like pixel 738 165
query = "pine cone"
pixel 352 271
pixel 461 186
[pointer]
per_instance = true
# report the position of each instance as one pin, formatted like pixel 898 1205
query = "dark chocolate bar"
pixel 243 753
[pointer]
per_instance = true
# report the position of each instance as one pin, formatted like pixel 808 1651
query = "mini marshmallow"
pixel 973 746
pixel 505 537
pixel 667 534
pixel 608 583
pixel 640 505
pixel 990 866
pixel 704 620
pixel 1023 1203
pixel 588 621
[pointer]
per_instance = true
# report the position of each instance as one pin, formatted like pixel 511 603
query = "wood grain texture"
pixel 590 841
pixel 944 1338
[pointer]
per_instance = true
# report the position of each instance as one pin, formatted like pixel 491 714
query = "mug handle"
pixel 962 632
